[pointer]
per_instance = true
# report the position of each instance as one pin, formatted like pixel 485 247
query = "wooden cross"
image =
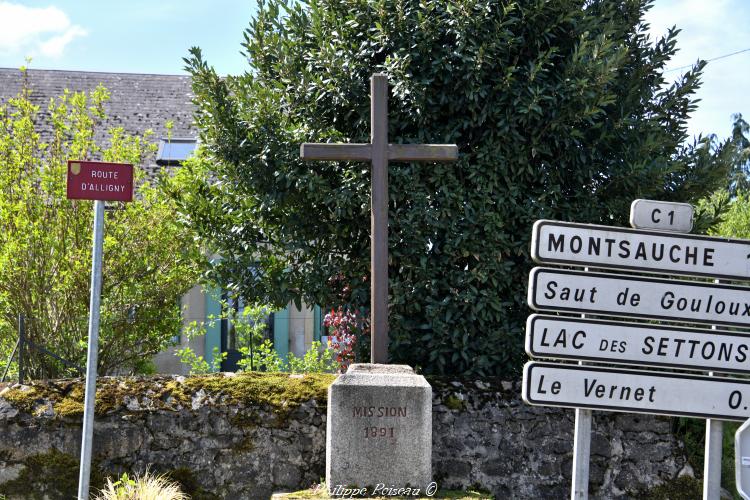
pixel 379 152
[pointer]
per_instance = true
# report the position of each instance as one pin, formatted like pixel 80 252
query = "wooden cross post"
pixel 379 152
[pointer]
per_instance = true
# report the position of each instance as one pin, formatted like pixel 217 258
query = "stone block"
pixel 379 428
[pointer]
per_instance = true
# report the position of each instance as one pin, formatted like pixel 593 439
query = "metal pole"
pixel 379 222
pixel 712 454
pixel 581 450
pixel 21 347
pixel 712 459
pixel 93 351
pixel 581 454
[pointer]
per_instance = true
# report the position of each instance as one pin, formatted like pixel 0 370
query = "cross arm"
pixel 336 152
pixel 422 152
pixel 363 152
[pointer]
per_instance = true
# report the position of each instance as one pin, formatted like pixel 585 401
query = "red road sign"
pixel 96 180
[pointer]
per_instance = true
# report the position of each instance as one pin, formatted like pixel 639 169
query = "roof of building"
pixel 138 102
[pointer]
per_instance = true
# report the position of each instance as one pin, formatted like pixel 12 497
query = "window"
pixel 174 151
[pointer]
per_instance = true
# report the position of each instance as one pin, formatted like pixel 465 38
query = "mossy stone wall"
pixel 249 435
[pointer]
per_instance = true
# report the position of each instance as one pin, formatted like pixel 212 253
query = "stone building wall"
pixel 247 436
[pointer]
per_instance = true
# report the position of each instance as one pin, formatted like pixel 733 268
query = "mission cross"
pixel 379 153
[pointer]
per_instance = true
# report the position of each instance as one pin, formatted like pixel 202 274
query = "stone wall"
pixel 484 434
pixel 246 436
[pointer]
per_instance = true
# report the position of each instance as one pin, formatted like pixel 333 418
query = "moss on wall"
pixel 281 392
pixel 454 403
pixel 24 398
pixel 52 475
pixel 678 489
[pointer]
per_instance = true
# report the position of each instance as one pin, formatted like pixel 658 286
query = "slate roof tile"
pixel 137 101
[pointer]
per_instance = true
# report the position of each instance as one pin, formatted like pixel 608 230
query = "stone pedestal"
pixel 379 429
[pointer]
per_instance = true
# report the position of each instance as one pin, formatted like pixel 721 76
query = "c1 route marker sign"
pixel 661 215
pixel 636 391
pixel 590 245
pixel 560 337
pixel 638 296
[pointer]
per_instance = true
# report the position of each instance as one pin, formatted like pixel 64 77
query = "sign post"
pixel 712 458
pixel 93 352
pixel 581 449
pixel 712 454
pixel 581 454
pixel 98 181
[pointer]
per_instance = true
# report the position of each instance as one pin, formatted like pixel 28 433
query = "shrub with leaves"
pixel 198 364
pixel 45 242
pixel 264 358
pixel 347 331
pixel 246 331
pixel 258 354
pixel 561 110
pixel 317 359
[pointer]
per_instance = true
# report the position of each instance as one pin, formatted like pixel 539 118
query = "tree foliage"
pixel 560 110
pixel 740 180
pixel 724 211
pixel 45 242
pixel 734 222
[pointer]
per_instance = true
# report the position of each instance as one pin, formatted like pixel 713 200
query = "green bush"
pixel 560 110
pixel 149 260
pixel 258 354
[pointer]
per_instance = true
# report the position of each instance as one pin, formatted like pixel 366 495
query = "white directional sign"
pixel 653 252
pixel 661 215
pixel 560 337
pixel 636 296
pixel 635 391
pixel 657 246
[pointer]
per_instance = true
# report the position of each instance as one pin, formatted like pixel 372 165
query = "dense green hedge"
pixel 560 111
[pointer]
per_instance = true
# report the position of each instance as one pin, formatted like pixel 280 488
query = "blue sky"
pixel 134 36
pixel 140 36
pixel 710 28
